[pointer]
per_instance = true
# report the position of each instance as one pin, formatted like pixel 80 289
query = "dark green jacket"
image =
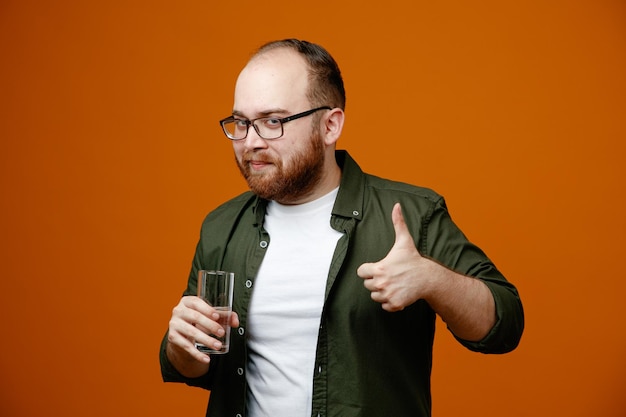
pixel 369 362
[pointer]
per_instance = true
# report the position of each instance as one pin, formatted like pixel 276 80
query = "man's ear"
pixel 333 125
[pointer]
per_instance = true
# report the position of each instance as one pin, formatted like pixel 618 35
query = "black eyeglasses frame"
pixel 281 120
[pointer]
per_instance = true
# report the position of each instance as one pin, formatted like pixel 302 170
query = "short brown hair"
pixel 325 81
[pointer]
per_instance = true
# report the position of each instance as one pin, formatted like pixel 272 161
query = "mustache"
pixel 255 156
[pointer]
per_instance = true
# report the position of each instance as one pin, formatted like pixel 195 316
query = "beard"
pixel 286 184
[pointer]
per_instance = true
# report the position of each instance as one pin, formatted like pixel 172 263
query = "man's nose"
pixel 253 140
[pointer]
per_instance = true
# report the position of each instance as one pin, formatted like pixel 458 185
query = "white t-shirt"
pixel 286 306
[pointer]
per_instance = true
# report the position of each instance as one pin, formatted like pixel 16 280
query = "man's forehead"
pixel 275 79
pixel 281 65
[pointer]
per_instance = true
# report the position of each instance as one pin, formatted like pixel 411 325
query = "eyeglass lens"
pixel 267 128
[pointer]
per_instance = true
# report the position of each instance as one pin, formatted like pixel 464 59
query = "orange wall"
pixel 110 155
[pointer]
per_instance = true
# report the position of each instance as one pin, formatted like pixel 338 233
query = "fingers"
pixel 382 292
pixel 234 320
pixel 192 321
pixel 182 345
pixel 366 270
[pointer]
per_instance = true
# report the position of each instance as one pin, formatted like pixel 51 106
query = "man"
pixel 339 274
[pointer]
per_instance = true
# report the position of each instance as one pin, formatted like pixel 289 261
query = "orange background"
pixel 111 155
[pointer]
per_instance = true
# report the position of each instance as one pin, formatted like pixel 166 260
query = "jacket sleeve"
pixel 168 372
pixel 444 242
pixel 214 236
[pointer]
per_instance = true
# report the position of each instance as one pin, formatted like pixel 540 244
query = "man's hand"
pixel 403 276
pixel 192 321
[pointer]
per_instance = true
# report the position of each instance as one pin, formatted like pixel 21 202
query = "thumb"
pixel 403 235
pixel 403 243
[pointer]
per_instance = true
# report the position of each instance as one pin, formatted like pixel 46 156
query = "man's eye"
pixel 272 123
pixel 241 123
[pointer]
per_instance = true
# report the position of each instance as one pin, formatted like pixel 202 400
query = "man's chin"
pixel 260 186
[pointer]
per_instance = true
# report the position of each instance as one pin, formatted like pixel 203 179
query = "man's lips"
pixel 257 164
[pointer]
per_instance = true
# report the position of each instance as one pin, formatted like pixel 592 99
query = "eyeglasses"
pixel 266 127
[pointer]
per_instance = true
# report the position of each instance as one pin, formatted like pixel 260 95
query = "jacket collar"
pixel 349 202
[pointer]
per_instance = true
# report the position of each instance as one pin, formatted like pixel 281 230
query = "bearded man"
pixel 339 275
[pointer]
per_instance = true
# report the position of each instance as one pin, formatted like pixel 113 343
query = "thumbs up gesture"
pixel 403 276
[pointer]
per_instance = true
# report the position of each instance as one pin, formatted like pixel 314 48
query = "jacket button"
pixel 263 244
pixel 241 331
pixel 240 371
pixel 248 283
